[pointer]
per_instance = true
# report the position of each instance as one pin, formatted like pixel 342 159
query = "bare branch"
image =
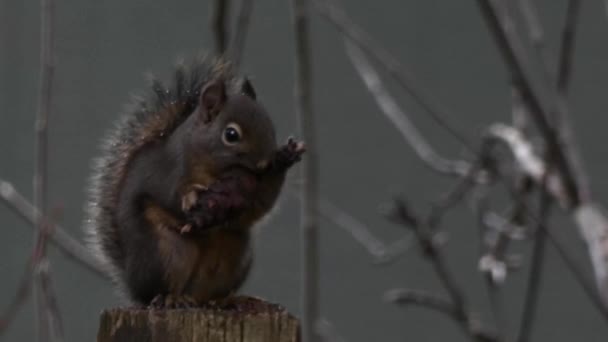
pixel 428 241
pixel 567 46
pixel 593 225
pixel 35 261
pixel 381 252
pixel 588 217
pixel 536 33
pixel 407 297
pixel 47 69
pixel 400 119
pixel 48 295
pixel 534 94
pixel 526 159
pixel 587 285
pixel 493 241
pixel 536 268
pixel 219 17
pixel 23 292
pixel 310 188
pixel 240 33
pixel 70 247
pixel 336 16
pixel 564 66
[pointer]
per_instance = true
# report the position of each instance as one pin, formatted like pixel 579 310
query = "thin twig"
pixel 525 158
pixel 453 195
pixel 219 17
pixel 536 33
pixel 536 265
pixel 47 68
pixel 427 239
pixel 562 80
pixel 406 297
pixel 23 292
pixel 494 271
pixel 70 247
pixel 51 300
pixel 587 285
pixel 338 17
pixel 564 71
pixel 534 94
pixel 400 119
pixel 28 281
pixel 310 187
pixel 237 46
pixel 381 252
pixel 567 46
pixel 574 267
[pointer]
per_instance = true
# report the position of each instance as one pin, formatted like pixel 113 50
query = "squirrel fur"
pixel 182 178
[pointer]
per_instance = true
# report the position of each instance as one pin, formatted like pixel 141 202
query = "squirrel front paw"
pixel 220 202
pixel 190 198
pixel 288 154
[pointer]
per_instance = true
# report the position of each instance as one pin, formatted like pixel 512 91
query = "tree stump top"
pixel 251 320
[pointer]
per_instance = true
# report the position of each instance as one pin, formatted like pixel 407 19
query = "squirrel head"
pixel 231 129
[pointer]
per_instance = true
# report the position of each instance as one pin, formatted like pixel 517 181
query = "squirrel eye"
pixel 232 134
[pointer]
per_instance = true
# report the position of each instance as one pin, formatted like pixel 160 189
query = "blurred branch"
pixel 491 263
pixel 240 33
pixel 21 295
pixel 400 119
pixel 536 33
pixel 526 159
pixel 381 252
pixel 310 188
pixel 574 267
pixel 55 321
pixel 406 297
pixel 538 253
pixel 47 69
pixel 219 17
pixel 567 46
pixel 562 79
pixel 355 34
pixel 503 28
pixel 590 220
pixel 428 240
pixel 36 266
pixel 70 247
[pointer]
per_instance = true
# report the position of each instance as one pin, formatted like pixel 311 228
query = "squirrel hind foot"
pixel 171 301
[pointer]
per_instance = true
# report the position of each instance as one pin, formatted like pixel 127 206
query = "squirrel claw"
pixel 190 199
pixel 288 154
pixel 172 302
pixel 185 228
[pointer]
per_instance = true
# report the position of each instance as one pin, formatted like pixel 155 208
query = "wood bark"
pixel 261 322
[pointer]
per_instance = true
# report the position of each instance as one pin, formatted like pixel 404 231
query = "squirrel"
pixel 181 180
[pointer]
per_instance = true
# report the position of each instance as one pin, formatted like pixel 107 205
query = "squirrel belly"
pixel 180 181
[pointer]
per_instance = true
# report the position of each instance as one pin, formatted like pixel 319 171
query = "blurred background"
pixel 103 50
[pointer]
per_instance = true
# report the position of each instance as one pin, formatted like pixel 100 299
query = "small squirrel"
pixel 181 180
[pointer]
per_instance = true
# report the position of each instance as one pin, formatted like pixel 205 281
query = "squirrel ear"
pixel 247 88
pixel 212 99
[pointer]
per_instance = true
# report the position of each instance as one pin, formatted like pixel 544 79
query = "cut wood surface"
pixel 255 321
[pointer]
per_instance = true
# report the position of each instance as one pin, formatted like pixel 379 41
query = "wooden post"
pixel 259 322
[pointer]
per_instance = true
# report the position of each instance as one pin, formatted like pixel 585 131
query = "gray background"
pixel 103 50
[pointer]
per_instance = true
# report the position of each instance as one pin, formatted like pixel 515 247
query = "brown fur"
pixel 200 268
